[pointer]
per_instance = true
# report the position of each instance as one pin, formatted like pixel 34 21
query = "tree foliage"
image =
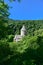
pixel 29 51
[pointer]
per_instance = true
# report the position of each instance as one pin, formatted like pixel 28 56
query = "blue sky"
pixel 26 10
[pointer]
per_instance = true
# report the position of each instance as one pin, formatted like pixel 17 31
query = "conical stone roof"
pixel 23 28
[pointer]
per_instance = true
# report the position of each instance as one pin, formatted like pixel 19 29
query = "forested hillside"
pixel 29 51
pixel 12 27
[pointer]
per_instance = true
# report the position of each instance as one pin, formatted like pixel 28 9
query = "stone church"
pixel 22 34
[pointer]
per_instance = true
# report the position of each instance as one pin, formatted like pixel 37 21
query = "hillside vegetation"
pixel 29 51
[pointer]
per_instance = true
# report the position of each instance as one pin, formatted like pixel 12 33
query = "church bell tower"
pixel 23 31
